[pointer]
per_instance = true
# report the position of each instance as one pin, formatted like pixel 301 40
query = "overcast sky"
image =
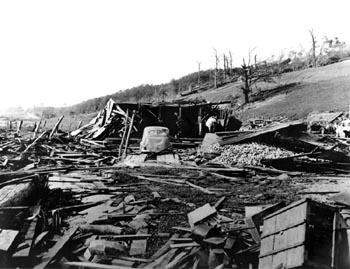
pixel 63 52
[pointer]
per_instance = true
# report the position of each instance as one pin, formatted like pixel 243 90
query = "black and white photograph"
pixel 163 134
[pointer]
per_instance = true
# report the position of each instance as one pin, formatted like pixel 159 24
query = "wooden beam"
pixel 129 132
pixel 93 265
pixel 56 127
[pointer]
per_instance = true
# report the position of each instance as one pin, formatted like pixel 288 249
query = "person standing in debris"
pixel 211 123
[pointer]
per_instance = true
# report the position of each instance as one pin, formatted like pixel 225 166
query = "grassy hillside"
pixel 293 95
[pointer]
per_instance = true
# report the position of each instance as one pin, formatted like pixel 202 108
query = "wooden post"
pixel 19 126
pixel 10 124
pixel 38 126
pixel 124 134
pixel 79 124
pixel 56 127
pixel 129 132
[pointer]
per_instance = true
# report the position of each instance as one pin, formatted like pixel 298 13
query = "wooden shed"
pixel 305 234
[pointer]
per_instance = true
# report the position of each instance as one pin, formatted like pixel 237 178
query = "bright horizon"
pixel 57 53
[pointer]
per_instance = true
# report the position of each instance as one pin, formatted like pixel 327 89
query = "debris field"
pixel 68 200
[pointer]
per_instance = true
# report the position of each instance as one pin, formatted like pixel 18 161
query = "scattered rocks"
pixel 247 154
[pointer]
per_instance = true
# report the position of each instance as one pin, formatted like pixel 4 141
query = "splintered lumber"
pixel 124 134
pixel 175 261
pixel 129 132
pixel 95 265
pixel 56 249
pixel 34 142
pixel 219 203
pixel 19 126
pixel 199 188
pixel 122 262
pixel 200 214
pixel 78 207
pixel 231 179
pixel 79 124
pixel 126 237
pixel 56 127
pixel 101 229
pixel 28 230
pixel 17 180
pixel 6 238
pixel 164 248
pixel 184 245
pixel 165 181
pixel 138 247
pixel 38 126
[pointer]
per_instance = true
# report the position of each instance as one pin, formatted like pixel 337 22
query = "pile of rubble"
pixel 247 154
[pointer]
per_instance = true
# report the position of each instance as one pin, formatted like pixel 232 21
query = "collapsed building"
pixel 182 120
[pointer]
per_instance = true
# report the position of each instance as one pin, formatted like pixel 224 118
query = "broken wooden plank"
pixel 219 203
pixel 56 249
pixel 34 142
pixel 138 247
pixel 200 214
pixel 7 237
pixel 93 265
pixel 29 229
pixel 126 237
pixel 129 133
pixel 56 127
pixel 184 245
pixel 164 248
pixel 199 188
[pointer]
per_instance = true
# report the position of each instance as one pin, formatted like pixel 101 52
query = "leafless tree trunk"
pixel 230 64
pixel 199 72
pixel 246 87
pixel 216 68
pixel 313 39
pixel 225 68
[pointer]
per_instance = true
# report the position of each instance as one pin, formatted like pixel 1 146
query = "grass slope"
pixel 316 89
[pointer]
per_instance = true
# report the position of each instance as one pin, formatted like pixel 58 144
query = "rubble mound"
pixel 247 154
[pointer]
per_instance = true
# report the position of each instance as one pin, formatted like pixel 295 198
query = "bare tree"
pixel 313 39
pixel 255 72
pixel 225 67
pixel 231 63
pixel 199 72
pixel 216 68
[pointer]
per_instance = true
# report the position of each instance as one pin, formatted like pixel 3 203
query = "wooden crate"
pixel 300 235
